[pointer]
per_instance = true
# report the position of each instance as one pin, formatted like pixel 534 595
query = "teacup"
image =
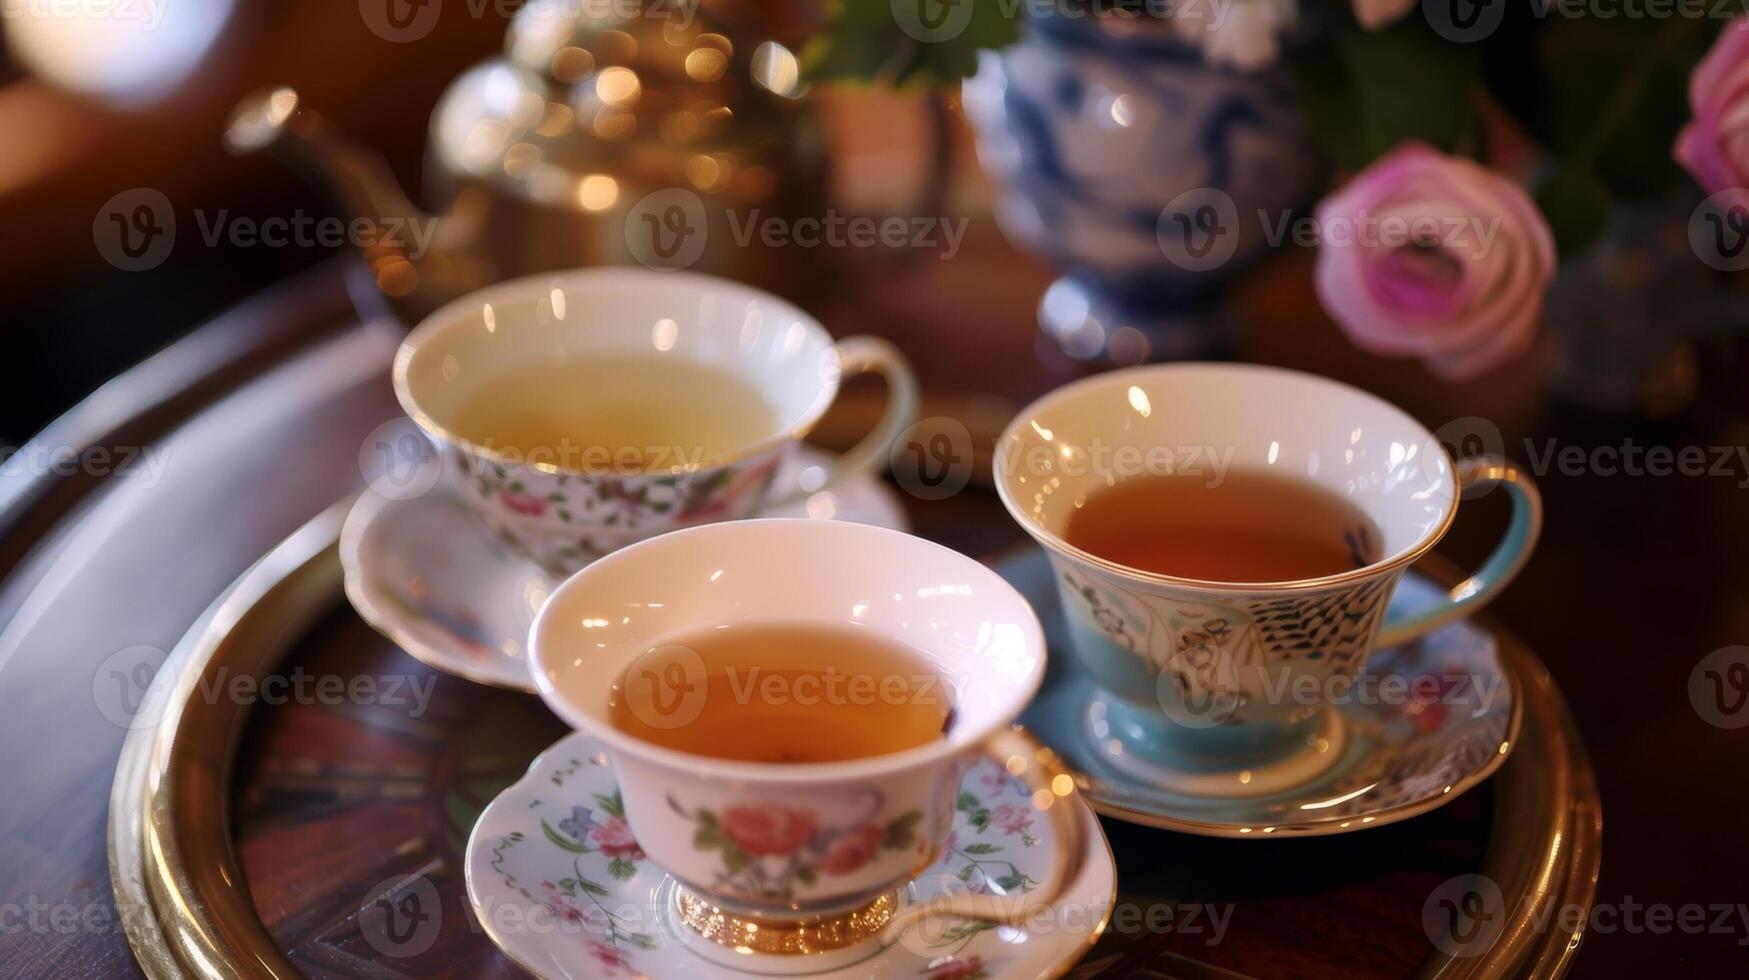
pixel 1225 688
pixel 961 618
pixel 563 507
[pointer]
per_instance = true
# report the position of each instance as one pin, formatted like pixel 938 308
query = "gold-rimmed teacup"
pixel 564 506
pixel 758 848
pixel 1226 688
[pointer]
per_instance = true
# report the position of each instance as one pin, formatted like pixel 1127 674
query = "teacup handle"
pixel 870 355
pixel 1036 765
pixel 1470 595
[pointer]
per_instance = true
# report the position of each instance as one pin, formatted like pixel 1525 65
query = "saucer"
pixel 425 573
pixel 559 884
pixel 1405 754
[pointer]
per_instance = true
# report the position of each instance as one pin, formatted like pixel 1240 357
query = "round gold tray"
pixel 189 910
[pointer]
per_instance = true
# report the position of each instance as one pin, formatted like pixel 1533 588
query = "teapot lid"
pixel 592 88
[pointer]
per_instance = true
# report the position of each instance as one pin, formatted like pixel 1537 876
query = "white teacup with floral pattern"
pixel 1228 688
pixel 568 507
pixel 809 854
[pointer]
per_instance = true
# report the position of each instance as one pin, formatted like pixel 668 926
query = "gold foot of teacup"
pixel 781 946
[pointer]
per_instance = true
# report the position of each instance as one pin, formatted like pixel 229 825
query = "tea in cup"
pixel 789 706
pixel 1226 540
pixel 579 412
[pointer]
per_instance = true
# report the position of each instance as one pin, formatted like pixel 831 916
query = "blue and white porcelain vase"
pixel 1150 176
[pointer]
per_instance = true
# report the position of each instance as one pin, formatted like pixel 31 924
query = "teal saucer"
pixel 1425 722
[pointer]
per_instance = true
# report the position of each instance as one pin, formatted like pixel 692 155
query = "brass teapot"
pixel 605 134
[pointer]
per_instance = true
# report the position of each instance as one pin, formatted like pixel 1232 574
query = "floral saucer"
pixel 557 881
pixel 427 574
pixel 1425 721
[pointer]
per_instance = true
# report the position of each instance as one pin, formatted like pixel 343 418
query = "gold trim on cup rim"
pixel 444 316
pixel 1055 542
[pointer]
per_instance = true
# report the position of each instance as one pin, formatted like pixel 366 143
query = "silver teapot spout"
pixel 417 261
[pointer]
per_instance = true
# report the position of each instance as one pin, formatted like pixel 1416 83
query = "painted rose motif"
pixel 1011 818
pixel 1436 257
pixel 608 956
pixel 769 849
pixel 769 829
pixel 602 829
pixel 614 839
pixel 1714 146
pixel 522 503
pixel 850 851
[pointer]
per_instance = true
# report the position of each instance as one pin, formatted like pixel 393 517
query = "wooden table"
pixel 1636 580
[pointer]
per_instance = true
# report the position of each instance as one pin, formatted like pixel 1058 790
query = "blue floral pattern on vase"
pixel 1108 138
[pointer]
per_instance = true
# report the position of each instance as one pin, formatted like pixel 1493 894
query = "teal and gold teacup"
pixel 1213 687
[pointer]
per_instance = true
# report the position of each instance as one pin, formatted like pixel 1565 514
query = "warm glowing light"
pixel 706 65
pixel 597 192
pixel 1139 402
pixel 776 70
pixel 617 85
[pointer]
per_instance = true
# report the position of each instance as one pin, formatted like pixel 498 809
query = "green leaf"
pixel 613 805
pixel 1613 94
pixel 1365 92
pixel 560 840
pixel 966 801
pixel 805 874
pixel 622 869
pixel 1576 204
pixel 734 859
pixel 902 831
pixel 968 872
pixel 864 40
pixel 591 887
pixel 1010 881
pixel 639 940
pixel 981 849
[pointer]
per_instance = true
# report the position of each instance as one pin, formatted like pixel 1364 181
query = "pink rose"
pixel 851 850
pixel 614 838
pixel 1011 818
pixel 523 503
pixel 1425 255
pixel 769 829
pixel 1715 145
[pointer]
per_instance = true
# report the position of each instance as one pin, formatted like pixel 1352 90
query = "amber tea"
pixel 1251 527
pixel 784 693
